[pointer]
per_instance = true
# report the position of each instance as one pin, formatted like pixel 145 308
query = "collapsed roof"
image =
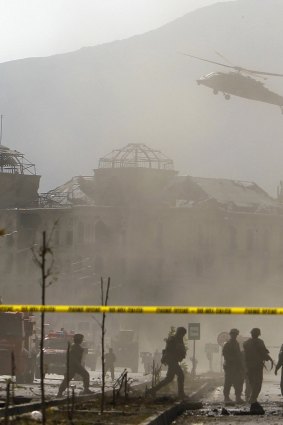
pixel 77 191
pixel 228 194
pixel 136 155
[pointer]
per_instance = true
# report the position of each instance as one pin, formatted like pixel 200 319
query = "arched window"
pixel 80 232
pixel 101 232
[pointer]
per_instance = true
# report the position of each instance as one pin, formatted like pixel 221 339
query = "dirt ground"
pixel 212 413
pixel 131 412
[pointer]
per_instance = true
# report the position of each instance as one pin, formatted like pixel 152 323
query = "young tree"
pixel 104 301
pixel 44 258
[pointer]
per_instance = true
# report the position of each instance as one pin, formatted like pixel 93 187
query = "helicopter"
pixel 239 83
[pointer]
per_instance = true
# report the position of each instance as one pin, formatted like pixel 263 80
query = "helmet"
pixel 78 338
pixel 255 332
pixel 234 331
pixel 181 331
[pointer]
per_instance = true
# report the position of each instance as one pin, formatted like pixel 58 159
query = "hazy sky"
pixel 46 27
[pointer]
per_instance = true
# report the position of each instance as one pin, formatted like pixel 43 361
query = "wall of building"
pixel 130 186
pixel 18 190
pixel 154 254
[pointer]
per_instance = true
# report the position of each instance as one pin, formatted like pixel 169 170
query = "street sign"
pixel 222 338
pixel 194 331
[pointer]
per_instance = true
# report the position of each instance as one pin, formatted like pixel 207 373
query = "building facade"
pixel 161 237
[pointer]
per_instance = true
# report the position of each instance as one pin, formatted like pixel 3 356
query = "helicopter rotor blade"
pixel 225 59
pixel 237 68
pixel 206 60
pixel 273 74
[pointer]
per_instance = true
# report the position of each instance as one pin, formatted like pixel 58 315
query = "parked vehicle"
pixel 126 349
pixel 18 342
pixel 55 353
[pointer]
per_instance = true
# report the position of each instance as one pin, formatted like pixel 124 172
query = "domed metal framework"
pixel 14 162
pixel 136 155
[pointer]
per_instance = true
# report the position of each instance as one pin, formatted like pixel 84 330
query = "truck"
pixel 55 352
pixel 18 346
pixel 126 349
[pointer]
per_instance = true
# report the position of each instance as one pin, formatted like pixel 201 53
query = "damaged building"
pixel 162 237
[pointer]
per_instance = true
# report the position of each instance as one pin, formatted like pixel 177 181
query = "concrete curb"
pixel 169 415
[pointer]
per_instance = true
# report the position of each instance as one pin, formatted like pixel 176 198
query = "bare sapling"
pixel 7 404
pixel 156 372
pixel 104 301
pixel 44 259
pixel 13 374
pixel 153 374
pixel 126 386
pixel 119 384
pixel 70 400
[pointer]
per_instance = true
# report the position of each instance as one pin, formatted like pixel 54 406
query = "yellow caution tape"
pixel 140 309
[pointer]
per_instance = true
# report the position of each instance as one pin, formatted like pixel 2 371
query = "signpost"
pixel 194 331
pixel 194 335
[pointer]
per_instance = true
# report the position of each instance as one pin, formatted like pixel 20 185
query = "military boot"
pixel 257 409
pixel 228 401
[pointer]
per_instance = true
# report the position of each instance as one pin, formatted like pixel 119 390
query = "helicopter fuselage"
pixel 237 84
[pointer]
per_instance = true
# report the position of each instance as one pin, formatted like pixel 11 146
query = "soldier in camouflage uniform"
pixel 256 354
pixel 174 352
pixel 233 368
pixel 280 364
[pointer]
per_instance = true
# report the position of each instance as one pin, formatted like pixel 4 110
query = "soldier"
pixel 173 353
pixel 233 368
pixel 280 364
pixel 110 359
pixel 75 366
pixel 255 355
pixel 244 376
pixel 147 362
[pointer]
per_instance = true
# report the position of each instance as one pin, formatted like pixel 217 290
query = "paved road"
pixel 270 398
pixel 52 383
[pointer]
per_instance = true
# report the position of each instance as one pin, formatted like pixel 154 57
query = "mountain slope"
pixel 66 111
